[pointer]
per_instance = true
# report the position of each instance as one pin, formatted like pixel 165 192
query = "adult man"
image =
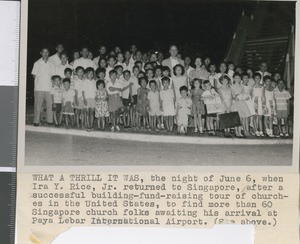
pixel 263 67
pixel 55 58
pixel 60 69
pixel 102 52
pixel 133 50
pixel 42 72
pixel 173 59
pixel 84 61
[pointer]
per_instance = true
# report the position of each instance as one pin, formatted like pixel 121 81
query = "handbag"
pixel 229 120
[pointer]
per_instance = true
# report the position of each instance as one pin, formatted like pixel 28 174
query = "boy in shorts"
pixel 56 96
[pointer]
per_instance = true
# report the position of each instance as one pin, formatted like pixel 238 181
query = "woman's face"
pixel 198 62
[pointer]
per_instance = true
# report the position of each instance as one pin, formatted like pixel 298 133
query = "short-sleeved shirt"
pixel 55 59
pixel 134 80
pixel 56 91
pixel 89 88
pixel 78 86
pixel 116 85
pixel 43 72
pixel 68 96
pixel 60 69
pixel 282 98
pixel 84 62
pixel 107 70
pixel 128 67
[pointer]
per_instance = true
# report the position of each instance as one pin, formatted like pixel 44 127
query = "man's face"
pixel 153 57
pixel 263 67
pixel 187 61
pixel 138 56
pixel 212 68
pixel 127 55
pixel 102 50
pixel 84 52
pixel 111 62
pixel 133 48
pixel 59 48
pixel 120 57
pixel 45 53
pixel 223 68
pixel 173 51
pixel 102 63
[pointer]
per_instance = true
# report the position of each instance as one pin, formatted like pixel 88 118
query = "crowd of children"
pixel 137 91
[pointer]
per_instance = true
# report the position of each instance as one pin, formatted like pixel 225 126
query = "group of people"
pixel 146 91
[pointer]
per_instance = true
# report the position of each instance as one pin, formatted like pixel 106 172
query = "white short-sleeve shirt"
pixel 134 80
pixel 89 88
pixel 43 72
pixel 68 96
pixel 57 94
pixel 55 59
pixel 78 86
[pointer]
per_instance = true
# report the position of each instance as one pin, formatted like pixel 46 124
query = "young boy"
pixel 126 98
pixel 60 69
pixel 183 107
pixel 135 86
pixel 88 94
pixel 68 74
pixel 56 95
pixel 68 100
pixel 282 98
pixel 110 66
pixel 79 104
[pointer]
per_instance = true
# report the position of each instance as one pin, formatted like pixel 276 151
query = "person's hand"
pixel 85 102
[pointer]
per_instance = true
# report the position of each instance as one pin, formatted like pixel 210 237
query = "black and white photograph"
pixel 160 83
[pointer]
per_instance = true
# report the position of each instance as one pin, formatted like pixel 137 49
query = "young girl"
pixel 154 102
pixel 211 100
pixel 183 107
pixel 158 76
pixel 68 100
pixel 198 106
pixel 56 95
pixel 258 99
pixel 282 98
pixel 226 98
pixel 166 72
pixel 199 72
pixel 101 109
pixel 167 103
pixel 142 102
pixel 270 111
pixel 239 98
pixel 179 80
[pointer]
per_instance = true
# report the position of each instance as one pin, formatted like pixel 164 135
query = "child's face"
pixel 245 79
pixel 256 79
pixel 127 76
pixel 101 86
pixel 187 61
pixel 138 56
pixel 198 62
pixel 56 82
pixel 239 70
pixel 277 76
pixel 158 73
pixel 250 72
pixel 120 58
pixel 225 82
pixel 68 74
pixel 223 68
pixel 153 57
pixel 166 73
pixel 102 63
pixel 153 86
pixel 166 84
pixel 63 59
pixel 183 93
pixel 113 76
pixel 76 55
pixel 268 83
pixel 136 71
pixel 139 65
pixel 231 66
pixel 90 56
pixel 143 83
pixel 207 61
pixel 119 71
pixel 67 85
pixel 101 75
pixel 212 69
pixel 127 55
pixel 281 85
pixel 80 73
pixel 111 62
pixel 207 86
pixel 197 84
pixel 90 75
pixel 237 79
pixel 149 73
pixel 178 71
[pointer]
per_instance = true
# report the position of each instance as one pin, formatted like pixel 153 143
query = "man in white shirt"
pixel 102 52
pixel 263 71
pixel 84 61
pixel 42 72
pixel 60 69
pixel 173 59
pixel 55 58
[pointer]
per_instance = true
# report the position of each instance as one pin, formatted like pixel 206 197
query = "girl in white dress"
pixel 179 80
pixel 167 103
